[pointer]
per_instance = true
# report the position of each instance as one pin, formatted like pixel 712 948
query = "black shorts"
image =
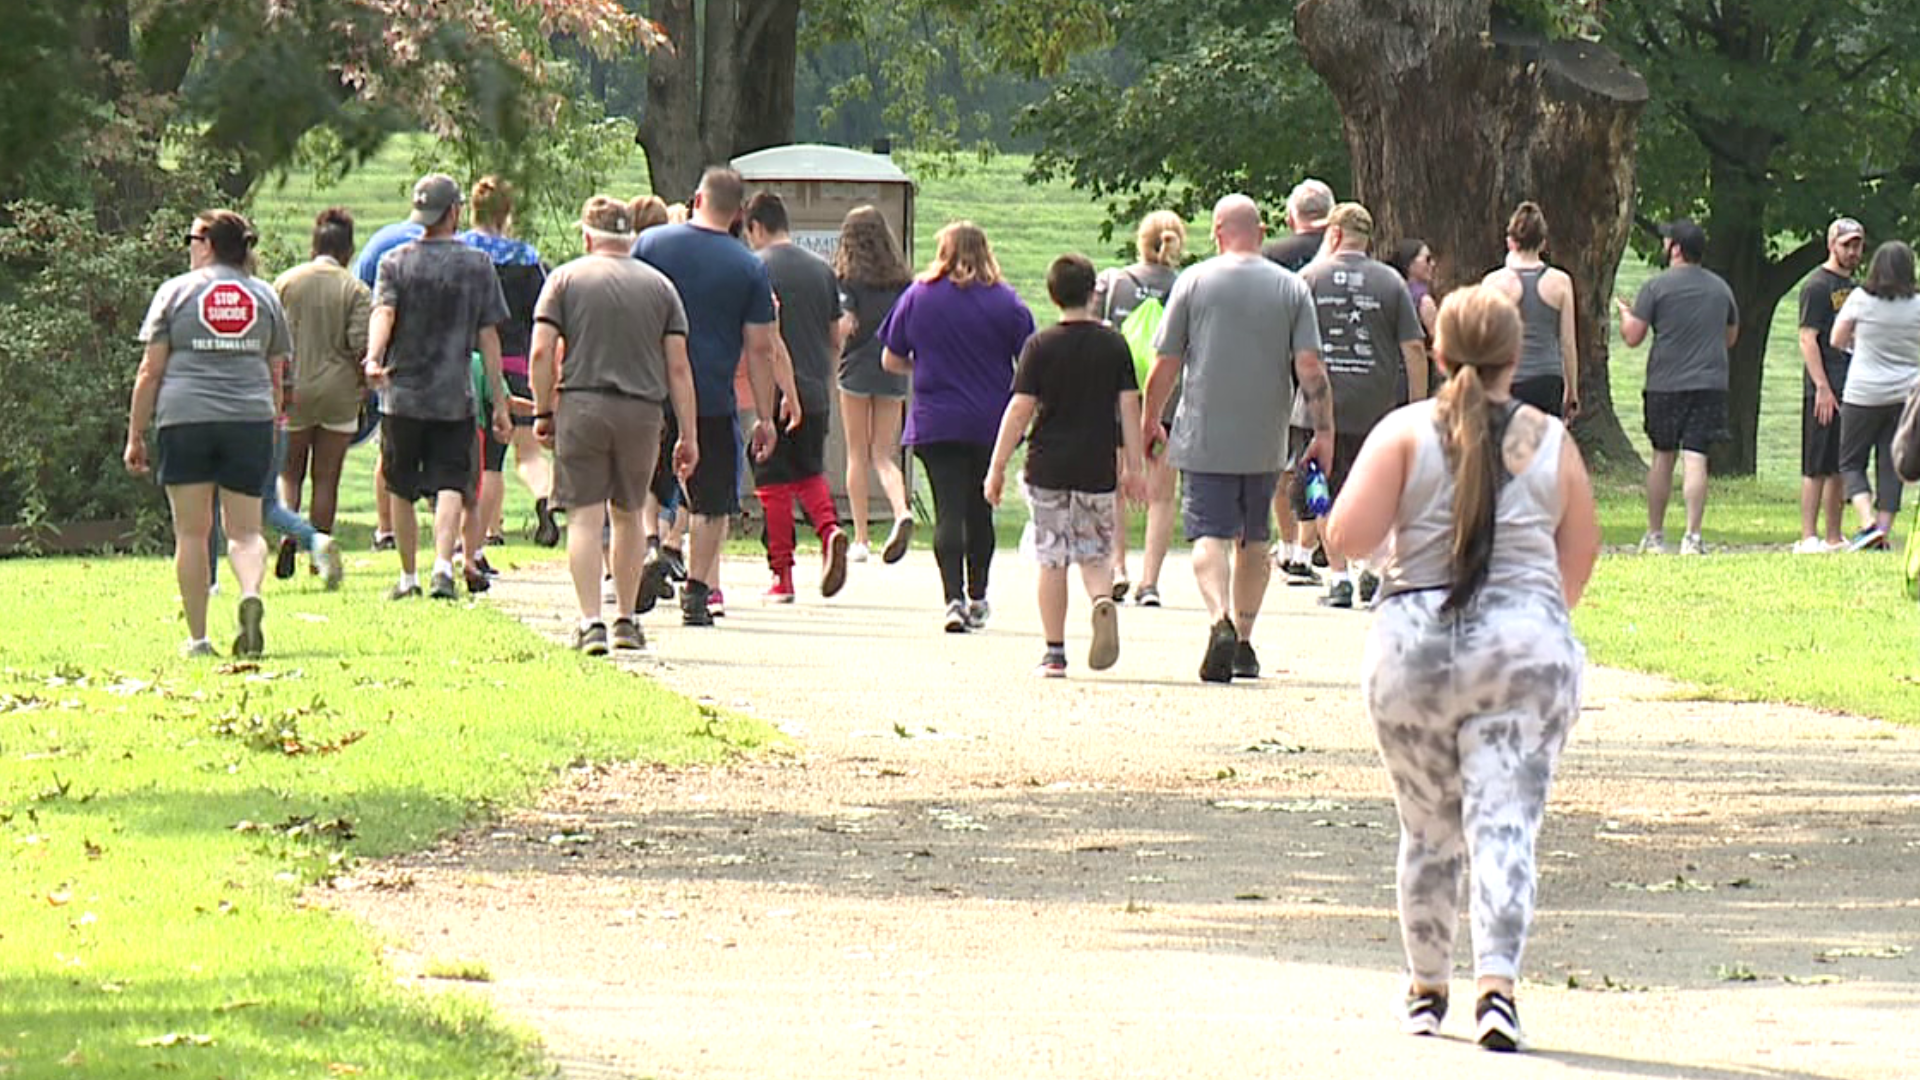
pixel 522 387
pixel 236 455
pixel 1346 450
pixel 799 455
pixel 1548 393
pixel 665 485
pixel 421 458
pixel 714 488
pixel 493 452
pixel 1819 445
pixel 1690 420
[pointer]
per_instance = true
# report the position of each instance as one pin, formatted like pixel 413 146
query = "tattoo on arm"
pixel 1316 392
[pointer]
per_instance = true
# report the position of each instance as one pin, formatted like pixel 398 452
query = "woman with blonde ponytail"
pixel 1472 673
pixel 1161 245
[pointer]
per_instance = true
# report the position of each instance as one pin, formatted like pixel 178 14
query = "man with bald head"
pixel 1236 331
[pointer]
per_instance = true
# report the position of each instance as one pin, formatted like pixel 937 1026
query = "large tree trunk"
pixel 724 86
pixel 1452 120
pixel 670 130
pixel 765 111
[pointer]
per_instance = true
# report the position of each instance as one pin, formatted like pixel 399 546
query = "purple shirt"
pixel 963 343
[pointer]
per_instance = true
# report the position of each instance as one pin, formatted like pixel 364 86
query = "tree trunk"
pixel 720 79
pixel 765 111
pixel 670 131
pixel 1451 120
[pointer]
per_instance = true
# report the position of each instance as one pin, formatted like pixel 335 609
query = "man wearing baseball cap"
pixel 437 301
pixel 1308 207
pixel 602 407
pixel 1694 320
pixel 1826 374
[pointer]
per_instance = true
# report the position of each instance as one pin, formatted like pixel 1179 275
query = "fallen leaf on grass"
pixel 243 667
pixel 177 1038
pixel 235 1006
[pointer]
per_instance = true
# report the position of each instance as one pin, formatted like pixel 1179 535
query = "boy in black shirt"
pixel 1073 379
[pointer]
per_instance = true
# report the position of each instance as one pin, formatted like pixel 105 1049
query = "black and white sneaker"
pixel 1299 573
pixel 1498 1021
pixel 1369 586
pixel 1425 1011
pixel 957 617
pixel 546 531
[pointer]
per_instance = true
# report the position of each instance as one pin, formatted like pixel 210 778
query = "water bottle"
pixel 1319 498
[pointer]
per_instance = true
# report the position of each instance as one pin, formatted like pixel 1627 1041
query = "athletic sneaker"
pixel 694 607
pixel 1320 556
pixel 676 563
pixel 481 564
pixel 547 532
pixel 1339 596
pixel 1653 543
pixel 495 540
pixel 1106 636
pixel 1425 1011
pixel 1120 586
pixel 1369 586
pixel 591 638
pixel 442 587
pixel 1810 545
pixel 716 603
pixel 194 650
pixel 653 584
pixel 780 592
pixel 1246 665
pixel 628 635
pixel 833 561
pixel 404 592
pixel 978 612
pixel 898 540
pixel 1146 596
pixel 477 583
pixel 1053 665
pixel 1498 1021
pixel 858 552
pixel 1873 537
pixel 326 559
pixel 1691 544
pixel 1222 642
pixel 250 642
pixel 383 541
pixel 957 617
pixel 287 559
pixel 1299 573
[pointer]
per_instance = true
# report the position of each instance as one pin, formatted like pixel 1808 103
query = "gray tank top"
pixel 1540 348
pixel 1526 516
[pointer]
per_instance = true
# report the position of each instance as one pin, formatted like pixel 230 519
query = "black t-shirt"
pixel 1820 300
pixel 1077 372
pixel 1296 251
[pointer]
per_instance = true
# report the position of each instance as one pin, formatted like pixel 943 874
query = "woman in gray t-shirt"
pixel 1880 322
pixel 209 384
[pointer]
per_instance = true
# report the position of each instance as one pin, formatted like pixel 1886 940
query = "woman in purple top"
pixel 957 331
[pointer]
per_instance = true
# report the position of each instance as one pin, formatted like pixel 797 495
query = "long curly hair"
pixel 869 253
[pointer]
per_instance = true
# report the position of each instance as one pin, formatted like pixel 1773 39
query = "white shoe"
pixel 326 558
pixel 1653 543
pixel 1691 544
pixel 1811 545
pixel 857 552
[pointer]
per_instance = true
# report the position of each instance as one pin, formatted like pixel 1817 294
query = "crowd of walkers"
pixel 1280 388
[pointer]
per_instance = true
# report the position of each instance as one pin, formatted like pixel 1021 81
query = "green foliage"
pixel 37 156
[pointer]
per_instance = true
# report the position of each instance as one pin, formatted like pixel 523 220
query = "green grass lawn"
pixel 160 817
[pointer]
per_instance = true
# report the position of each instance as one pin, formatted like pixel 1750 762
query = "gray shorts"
pixel 1229 506
pixel 1065 528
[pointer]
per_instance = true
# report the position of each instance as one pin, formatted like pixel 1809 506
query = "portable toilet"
pixel 820 184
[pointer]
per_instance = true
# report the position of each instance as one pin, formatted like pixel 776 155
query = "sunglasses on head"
pixel 194 237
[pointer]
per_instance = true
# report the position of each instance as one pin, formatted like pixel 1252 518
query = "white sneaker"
pixel 1811 545
pixel 326 558
pixel 978 612
pixel 1653 543
pixel 858 552
pixel 1691 544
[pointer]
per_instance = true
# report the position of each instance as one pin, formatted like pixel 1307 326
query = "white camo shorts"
pixel 1068 527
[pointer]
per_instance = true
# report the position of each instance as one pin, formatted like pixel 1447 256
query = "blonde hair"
pixel 1161 239
pixel 647 211
pixel 677 213
pixel 492 202
pixel 962 255
pixel 1478 332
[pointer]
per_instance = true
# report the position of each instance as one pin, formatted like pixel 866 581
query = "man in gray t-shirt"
pixel 1690 312
pixel 436 303
pixel 1236 332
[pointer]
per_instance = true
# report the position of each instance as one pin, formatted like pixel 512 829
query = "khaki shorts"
pixel 604 447
pixel 1066 528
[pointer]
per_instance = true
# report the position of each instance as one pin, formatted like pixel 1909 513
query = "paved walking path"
pixel 961 871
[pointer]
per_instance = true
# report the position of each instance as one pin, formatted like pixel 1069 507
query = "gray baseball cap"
pixel 433 196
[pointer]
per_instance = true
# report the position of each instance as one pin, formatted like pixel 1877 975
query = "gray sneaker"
pixel 591 639
pixel 443 588
pixel 194 650
pixel 627 635
pixel 978 612
pixel 326 559
pixel 250 642
pixel 1653 543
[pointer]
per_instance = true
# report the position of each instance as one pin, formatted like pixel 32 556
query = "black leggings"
pixel 1864 430
pixel 962 517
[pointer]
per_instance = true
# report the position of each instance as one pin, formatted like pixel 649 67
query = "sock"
pixel 409 581
pixel 1341 576
pixel 1056 648
pixel 587 622
pixel 443 566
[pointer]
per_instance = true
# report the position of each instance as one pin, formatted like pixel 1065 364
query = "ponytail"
pixel 1478 331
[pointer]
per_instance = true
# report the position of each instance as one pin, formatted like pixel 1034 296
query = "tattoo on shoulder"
pixel 1524 435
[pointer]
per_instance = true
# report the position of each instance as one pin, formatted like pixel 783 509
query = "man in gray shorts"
pixel 601 408
pixel 1236 330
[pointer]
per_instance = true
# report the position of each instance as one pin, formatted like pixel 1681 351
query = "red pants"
pixel 776 500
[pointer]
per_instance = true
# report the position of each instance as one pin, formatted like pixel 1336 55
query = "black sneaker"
pixel 1320 556
pixel 250 642
pixel 1246 665
pixel 1120 587
pixel 443 588
pixel 591 639
pixel 1299 573
pixel 676 563
pixel 693 605
pixel 1498 1021
pixel 383 542
pixel 547 532
pixel 477 583
pixel 1369 586
pixel 628 635
pixel 1222 642
pixel 898 540
pixel 481 564
pixel 1146 596
pixel 653 585
pixel 287 560
pixel 404 592
pixel 1340 596
pixel 1425 1011
pixel 495 540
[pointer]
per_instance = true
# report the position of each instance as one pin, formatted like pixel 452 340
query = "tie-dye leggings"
pixel 1472 711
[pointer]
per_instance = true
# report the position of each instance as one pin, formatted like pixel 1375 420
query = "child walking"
pixel 1072 381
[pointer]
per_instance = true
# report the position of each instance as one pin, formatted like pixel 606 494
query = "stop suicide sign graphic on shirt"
pixel 228 310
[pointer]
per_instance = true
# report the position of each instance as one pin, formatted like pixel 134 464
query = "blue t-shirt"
pixel 725 289
pixel 366 265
